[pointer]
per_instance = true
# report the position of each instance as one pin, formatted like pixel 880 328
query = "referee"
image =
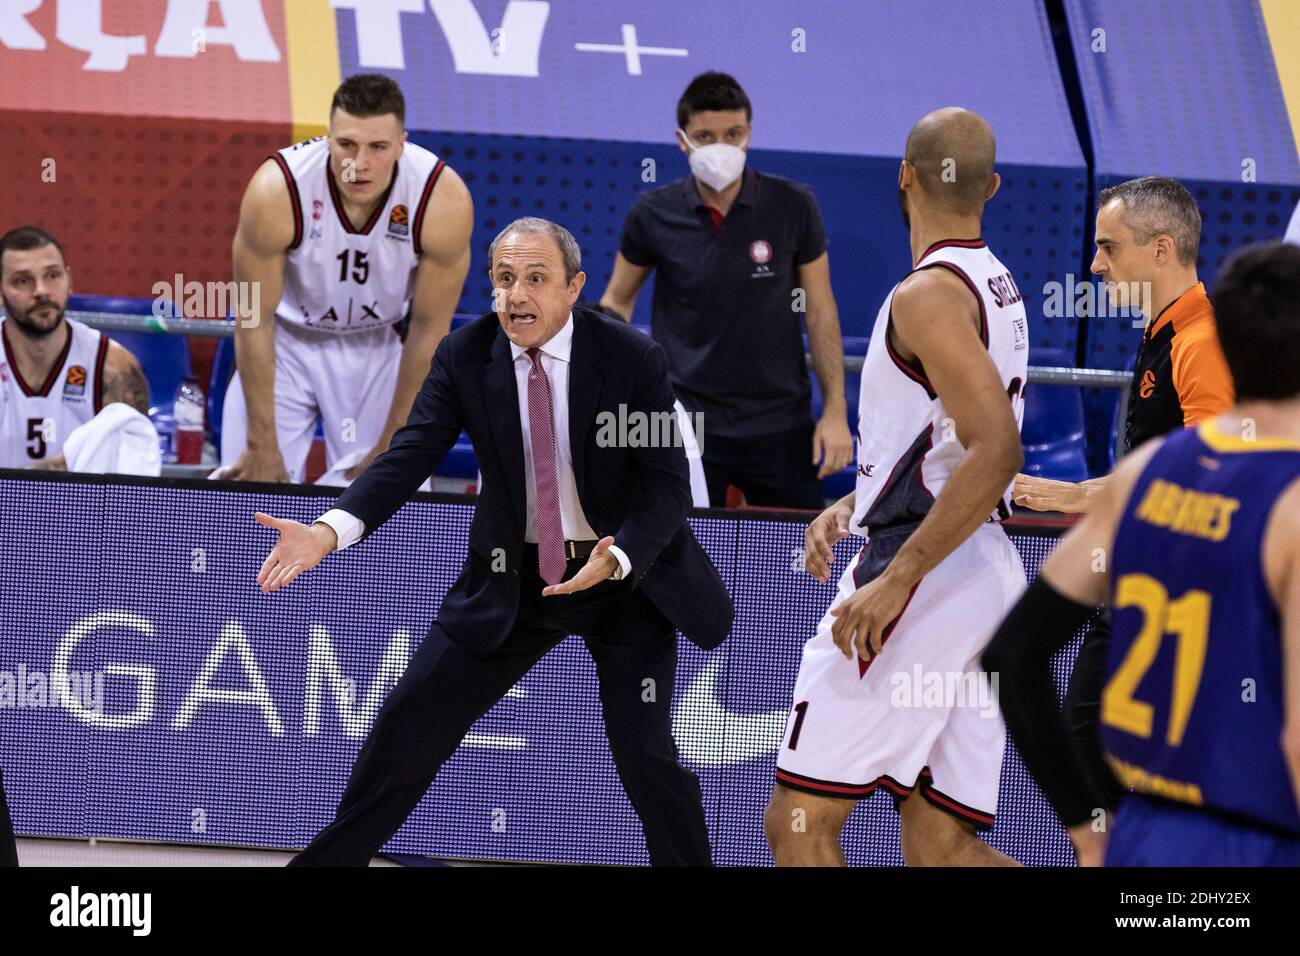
pixel 1148 233
pixel 740 255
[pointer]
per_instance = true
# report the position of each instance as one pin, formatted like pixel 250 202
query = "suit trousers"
pixel 447 687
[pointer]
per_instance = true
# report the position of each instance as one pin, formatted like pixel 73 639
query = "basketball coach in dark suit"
pixel 574 533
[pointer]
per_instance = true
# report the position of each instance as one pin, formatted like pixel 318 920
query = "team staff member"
pixel 1203 534
pixel 732 246
pixel 1148 232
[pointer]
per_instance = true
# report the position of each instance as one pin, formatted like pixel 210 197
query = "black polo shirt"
pixel 724 296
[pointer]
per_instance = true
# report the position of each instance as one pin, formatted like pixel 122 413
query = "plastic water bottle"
pixel 188 412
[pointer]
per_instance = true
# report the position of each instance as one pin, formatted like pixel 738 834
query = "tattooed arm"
pixel 124 380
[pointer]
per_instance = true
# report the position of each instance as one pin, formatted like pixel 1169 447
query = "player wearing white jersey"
pixel 56 374
pixel 341 234
pixel 889 692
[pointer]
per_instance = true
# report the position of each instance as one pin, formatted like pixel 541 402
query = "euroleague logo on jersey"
pixel 75 382
pixel 398 221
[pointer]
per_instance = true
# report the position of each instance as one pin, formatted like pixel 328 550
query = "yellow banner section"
pixel 1282 19
pixel 313 42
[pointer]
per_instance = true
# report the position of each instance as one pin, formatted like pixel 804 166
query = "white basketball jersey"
pixel 37 417
pixel 341 279
pixel 907 443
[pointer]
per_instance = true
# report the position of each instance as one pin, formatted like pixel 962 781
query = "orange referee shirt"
pixel 1181 377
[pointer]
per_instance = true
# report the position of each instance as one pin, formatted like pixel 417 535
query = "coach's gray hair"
pixel 563 238
pixel 1155 206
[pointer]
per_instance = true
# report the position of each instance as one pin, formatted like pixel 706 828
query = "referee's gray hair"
pixel 563 238
pixel 1155 206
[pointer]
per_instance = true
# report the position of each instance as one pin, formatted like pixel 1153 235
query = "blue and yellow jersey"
pixel 1193 705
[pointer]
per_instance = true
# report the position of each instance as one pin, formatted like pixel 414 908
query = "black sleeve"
pixel 8 846
pixel 415 451
pixel 635 242
pixel 1020 655
pixel 812 235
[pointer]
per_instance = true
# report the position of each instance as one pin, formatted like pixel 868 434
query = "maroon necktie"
pixel 541 433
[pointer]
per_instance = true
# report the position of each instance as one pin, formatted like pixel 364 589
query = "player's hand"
pixel 600 565
pixel 1044 494
pixel 57 463
pixel 258 465
pixel 832 446
pixel 1089 844
pixel 352 473
pixel 301 547
pixel 861 619
pixel 820 537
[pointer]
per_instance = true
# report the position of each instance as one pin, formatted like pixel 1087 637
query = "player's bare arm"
pixel 1048 494
pixel 832 442
pixel 259 252
pixel 1282 575
pixel 124 380
pixel 439 279
pixel 936 320
pixel 624 285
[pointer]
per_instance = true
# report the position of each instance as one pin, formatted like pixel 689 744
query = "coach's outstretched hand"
pixel 300 548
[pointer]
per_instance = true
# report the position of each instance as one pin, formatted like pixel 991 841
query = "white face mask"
pixel 717 165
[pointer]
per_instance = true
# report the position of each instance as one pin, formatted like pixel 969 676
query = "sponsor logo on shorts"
pixel 75 381
pixel 398 222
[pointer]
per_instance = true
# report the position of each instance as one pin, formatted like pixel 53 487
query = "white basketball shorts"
pixel 922 713
pixel 348 380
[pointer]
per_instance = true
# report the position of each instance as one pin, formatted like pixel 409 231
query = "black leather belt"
pixel 579 549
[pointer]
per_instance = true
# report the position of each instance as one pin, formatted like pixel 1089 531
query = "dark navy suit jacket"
pixel 640 495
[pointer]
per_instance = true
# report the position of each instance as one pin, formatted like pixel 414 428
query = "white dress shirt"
pixel 555 360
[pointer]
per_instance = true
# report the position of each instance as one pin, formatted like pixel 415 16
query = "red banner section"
pixel 182 58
